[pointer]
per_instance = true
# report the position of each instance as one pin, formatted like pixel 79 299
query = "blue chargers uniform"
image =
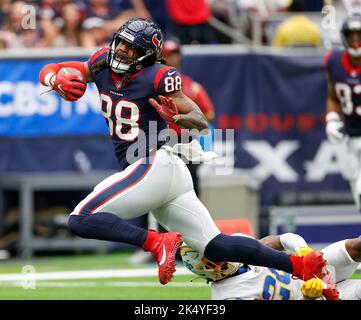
pixel 131 120
pixel 347 83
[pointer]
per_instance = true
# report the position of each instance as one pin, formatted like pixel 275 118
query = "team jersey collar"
pixel 119 82
pixel 349 68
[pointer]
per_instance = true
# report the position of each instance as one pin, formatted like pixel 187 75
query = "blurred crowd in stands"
pixel 91 23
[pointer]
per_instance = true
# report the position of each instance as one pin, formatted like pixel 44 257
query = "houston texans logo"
pixel 155 41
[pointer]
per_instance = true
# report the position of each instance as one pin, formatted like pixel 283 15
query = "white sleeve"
pixel 292 242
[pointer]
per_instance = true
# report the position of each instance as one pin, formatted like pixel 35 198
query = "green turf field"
pixel 133 288
pixel 137 286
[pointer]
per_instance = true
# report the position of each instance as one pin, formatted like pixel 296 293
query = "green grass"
pixel 76 262
pixel 90 289
pixel 132 288
pixel 108 289
pixel 105 294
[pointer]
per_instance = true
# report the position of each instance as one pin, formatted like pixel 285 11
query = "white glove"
pixel 334 127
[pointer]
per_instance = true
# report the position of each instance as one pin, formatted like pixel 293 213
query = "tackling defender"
pixel 343 106
pixel 139 94
pixel 235 281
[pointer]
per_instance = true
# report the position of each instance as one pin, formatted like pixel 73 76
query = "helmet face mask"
pixel 205 268
pixel 351 35
pixel 142 35
pixel 121 61
pixel 353 39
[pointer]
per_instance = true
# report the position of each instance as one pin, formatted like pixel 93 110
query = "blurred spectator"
pixel 190 21
pixel 62 21
pixel 113 12
pixel 15 17
pixel 68 26
pixel 346 7
pixel 263 8
pixel 221 10
pixel 14 35
pixel 155 10
pixel 195 91
pixel 5 7
pixel 256 21
pixel 298 30
pixel 94 34
pixel 141 9
pixel 103 18
pixel 7 39
pixel 51 20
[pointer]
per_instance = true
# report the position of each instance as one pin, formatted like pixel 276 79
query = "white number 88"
pixel 173 84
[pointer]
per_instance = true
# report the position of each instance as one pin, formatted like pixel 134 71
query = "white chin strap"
pixel 356 53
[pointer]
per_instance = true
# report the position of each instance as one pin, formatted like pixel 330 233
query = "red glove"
pixel 69 86
pixel 309 266
pixel 167 109
pixel 66 78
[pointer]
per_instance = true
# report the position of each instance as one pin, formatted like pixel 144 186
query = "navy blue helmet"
pixel 351 35
pixel 145 36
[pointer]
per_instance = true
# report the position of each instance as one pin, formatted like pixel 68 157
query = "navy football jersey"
pixel 135 126
pixel 347 83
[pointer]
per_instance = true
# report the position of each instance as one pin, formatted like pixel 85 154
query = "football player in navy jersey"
pixel 139 95
pixel 343 107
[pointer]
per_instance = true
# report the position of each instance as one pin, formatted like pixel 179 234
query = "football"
pixel 72 71
pixel 68 70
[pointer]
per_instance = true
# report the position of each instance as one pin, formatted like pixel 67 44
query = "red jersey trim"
pixel 126 188
pixel 107 188
pixel 159 76
pixel 345 60
pixel 326 58
pixel 97 55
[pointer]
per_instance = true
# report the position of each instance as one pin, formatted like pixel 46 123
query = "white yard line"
pixel 86 274
pixel 72 284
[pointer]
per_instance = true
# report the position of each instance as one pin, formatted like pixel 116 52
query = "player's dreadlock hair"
pixel 99 66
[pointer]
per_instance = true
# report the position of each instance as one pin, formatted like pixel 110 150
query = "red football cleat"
pixel 163 247
pixel 309 266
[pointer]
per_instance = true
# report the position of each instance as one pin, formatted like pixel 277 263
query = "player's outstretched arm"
pixel 70 84
pixel 272 241
pixel 178 108
pixel 334 122
pixel 291 242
